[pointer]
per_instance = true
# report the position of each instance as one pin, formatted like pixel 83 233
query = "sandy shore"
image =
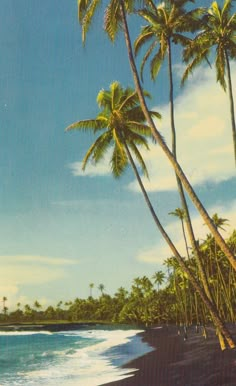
pixel 177 362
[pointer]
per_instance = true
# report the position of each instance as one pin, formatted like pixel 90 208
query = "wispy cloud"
pixel 18 271
pixel 204 135
pixel 101 169
pixel 156 254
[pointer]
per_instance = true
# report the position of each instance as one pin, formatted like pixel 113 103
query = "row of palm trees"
pixel 166 297
pixel 126 123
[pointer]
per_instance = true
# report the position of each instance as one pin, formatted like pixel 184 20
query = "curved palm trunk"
pixel 216 319
pixel 219 239
pixel 231 100
pixel 194 245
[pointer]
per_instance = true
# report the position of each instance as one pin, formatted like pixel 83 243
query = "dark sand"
pixel 174 362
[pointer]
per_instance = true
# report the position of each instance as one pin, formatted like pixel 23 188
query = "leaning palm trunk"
pixel 231 100
pixel 195 248
pixel 216 319
pixel 219 239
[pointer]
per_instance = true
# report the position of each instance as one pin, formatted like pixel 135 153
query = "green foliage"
pixel 123 124
pixel 146 303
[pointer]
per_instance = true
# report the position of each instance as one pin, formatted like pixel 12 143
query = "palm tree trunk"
pixel 194 245
pixel 219 239
pixel 216 319
pixel 231 100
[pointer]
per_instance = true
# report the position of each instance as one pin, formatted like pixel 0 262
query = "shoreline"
pixel 177 362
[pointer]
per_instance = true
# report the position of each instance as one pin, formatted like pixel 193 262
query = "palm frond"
pixel 98 149
pixel 88 16
pixel 220 67
pixel 112 19
pixel 155 114
pixel 145 35
pixel 115 91
pixel 104 99
pixel 82 8
pixel 129 100
pixel 139 158
pixel 150 17
pixel 119 161
pixel 156 63
pixel 146 57
pixel 138 129
pixel 195 63
pixel 88 124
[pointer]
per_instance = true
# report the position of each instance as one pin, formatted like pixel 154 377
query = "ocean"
pixel 85 356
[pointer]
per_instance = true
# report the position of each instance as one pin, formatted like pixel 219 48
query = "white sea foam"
pixel 88 366
pixel 23 333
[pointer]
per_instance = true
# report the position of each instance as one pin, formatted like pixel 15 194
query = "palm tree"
pixel 4 299
pixel 115 16
pixel 159 278
pixel 166 24
pixel 180 213
pixel 122 123
pixel 101 288
pixel 91 286
pixel 37 305
pixel 218 33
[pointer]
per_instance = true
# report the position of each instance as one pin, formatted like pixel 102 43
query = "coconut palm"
pixel 158 278
pixel 4 299
pixel 166 24
pixel 218 34
pixel 101 288
pixel 122 124
pixel 115 17
pixel 180 213
pixel 91 286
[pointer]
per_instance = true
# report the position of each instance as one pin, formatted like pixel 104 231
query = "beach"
pixel 195 361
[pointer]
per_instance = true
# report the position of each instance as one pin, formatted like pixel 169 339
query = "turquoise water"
pixel 82 357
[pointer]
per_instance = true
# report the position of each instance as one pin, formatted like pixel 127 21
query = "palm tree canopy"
pixel 158 277
pixel 112 17
pixel 179 212
pixel 219 31
pixel 121 122
pixel 166 23
pixel 219 221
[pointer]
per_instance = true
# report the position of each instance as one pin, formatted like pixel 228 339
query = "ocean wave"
pixel 24 333
pixel 77 366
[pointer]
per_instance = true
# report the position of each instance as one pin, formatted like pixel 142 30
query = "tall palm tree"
pixel 166 24
pixel 181 214
pixel 218 33
pixel 122 124
pixel 4 299
pixel 115 16
pixel 91 286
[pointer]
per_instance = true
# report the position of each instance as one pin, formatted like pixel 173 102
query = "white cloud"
pixel 156 254
pixel 101 169
pixel 25 270
pixel 204 135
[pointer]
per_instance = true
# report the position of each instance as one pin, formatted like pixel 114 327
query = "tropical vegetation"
pixel 166 297
pixel 127 123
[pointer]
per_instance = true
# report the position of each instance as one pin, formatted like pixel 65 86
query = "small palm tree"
pixel 101 288
pixel 91 286
pixel 218 33
pixel 159 278
pixel 4 299
pixel 181 214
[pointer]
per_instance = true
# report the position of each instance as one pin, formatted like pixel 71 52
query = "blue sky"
pixel 60 228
